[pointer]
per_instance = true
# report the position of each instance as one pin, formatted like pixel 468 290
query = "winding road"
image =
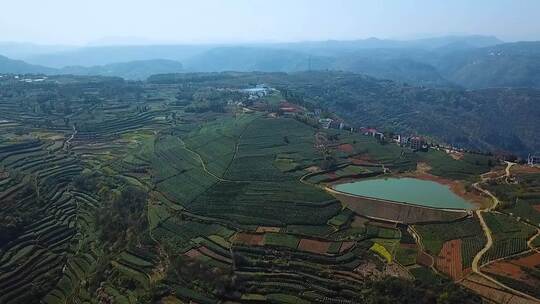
pixel 488 234
pixel 485 227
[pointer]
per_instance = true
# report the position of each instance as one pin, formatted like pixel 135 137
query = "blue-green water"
pixel 407 190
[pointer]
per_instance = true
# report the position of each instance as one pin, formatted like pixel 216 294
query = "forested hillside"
pixel 494 120
pixel 488 119
pixel 20 67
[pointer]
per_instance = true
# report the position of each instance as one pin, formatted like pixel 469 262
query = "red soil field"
pixel 516 269
pixel 249 239
pixel 516 169
pixel 493 292
pixel 193 253
pixel 449 259
pixel 506 269
pixel 530 261
pixel 332 175
pixel 363 159
pixel 358 161
pixel 315 246
pixel 347 148
pixel 536 207
pixel 467 271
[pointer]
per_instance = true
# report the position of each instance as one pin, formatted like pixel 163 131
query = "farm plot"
pixel 183 234
pixel 268 140
pixel 449 260
pixel 520 272
pixel 304 274
pixel 467 168
pixel 37 254
pixel 367 150
pixel 346 171
pixel 179 174
pixel 406 254
pixel 216 141
pixel 521 199
pixel 509 236
pixel 492 292
pixel 434 235
pixel 263 203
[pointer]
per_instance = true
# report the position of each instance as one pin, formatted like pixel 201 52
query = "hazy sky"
pixel 83 21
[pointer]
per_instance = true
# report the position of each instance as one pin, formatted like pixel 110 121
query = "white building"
pixel 325 122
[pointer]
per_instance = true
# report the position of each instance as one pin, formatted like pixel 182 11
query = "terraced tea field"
pixel 189 191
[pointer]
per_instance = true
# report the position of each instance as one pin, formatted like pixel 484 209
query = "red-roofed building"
pixel 290 108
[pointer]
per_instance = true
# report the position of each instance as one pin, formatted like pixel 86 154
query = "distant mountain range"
pixel 134 70
pixel 464 61
pixel 20 67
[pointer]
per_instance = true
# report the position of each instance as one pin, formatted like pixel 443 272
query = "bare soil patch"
pixel 262 229
pixel 516 169
pixel 193 253
pixel 506 269
pixel 347 148
pixel 530 261
pixel 251 239
pixel 490 291
pixel 313 169
pixel 345 246
pixel 315 246
pixel 449 259
pixel 424 259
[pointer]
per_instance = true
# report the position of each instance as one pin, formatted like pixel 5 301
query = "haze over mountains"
pixel 451 61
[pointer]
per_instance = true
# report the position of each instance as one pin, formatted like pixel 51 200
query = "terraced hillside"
pixel 186 191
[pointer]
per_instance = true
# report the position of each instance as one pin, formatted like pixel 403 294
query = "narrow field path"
pixel 205 169
pixel 203 164
pixel 67 143
pixel 531 240
pixel 421 246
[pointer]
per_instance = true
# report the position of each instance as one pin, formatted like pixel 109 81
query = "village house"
pixel 418 143
pixel 372 132
pixel 325 122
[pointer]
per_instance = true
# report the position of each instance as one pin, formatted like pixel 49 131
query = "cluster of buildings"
pixel 24 78
pixel 328 123
pixel 416 143
pixel 259 91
